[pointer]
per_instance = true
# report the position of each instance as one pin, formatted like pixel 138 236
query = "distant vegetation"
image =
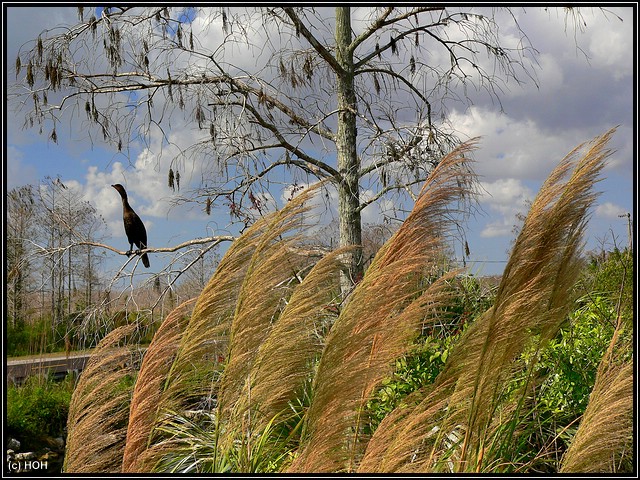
pixel 59 295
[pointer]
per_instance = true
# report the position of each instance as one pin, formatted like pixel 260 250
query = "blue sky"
pixel 586 86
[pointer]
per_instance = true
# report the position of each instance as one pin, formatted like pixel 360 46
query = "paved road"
pixel 57 364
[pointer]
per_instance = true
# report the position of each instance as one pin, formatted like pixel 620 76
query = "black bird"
pixel 133 226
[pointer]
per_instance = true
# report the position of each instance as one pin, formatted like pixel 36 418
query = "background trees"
pixel 20 227
pixel 355 96
pixel 48 277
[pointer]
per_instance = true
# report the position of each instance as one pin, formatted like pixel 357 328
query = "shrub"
pixel 413 371
pixel 420 367
pixel 26 338
pixel 39 406
pixel 571 360
pixel 611 276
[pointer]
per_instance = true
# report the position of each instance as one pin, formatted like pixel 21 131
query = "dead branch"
pixel 197 241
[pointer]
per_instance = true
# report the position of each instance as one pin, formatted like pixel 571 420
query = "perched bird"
pixel 133 226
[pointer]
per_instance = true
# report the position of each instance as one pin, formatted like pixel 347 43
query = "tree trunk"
pixel 348 162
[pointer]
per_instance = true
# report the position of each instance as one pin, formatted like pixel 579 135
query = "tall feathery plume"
pixel 195 378
pixel 371 330
pixel 605 435
pixel 192 379
pixel 271 277
pixel 272 274
pixel 149 387
pixel 451 428
pixel 284 361
pixel 99 409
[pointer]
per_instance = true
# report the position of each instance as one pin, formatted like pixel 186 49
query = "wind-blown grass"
pixel 604 440
pixel 230 320
pixel 285 359
pixel 99 409
pixel 372 330
pixel 454 426
pixel 191 381
pixel 272 371
pixel 271 277
pixel 273 274
pixel 149 387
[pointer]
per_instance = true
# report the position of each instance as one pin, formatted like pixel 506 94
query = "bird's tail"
pixel 145 260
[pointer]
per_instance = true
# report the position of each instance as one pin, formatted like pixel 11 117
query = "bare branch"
pixel 402 34
pixel 198 241
pixel 318 168
pixel 402 79
pixel 324 53
pixel 383 191
pixel 383 21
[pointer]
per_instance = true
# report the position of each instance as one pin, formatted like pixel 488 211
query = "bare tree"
pixel 353 95
pixel 20 229
pixel 62 218
pixel 197 277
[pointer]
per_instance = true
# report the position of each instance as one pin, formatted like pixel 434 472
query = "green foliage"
pixel 26 338
pixel 73 331
pixel 611 275
pixel 39 406
pixel 565 370
pixel 17 339
pixel 413 371
pixel 420 367
pixel 471 296
pixel 571 360
pixel 198 447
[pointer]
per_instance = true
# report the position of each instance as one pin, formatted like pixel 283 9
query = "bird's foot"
pixel 137 252
pixel 128 253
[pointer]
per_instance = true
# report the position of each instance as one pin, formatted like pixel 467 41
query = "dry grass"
pixel 372 329
pixel 149 387
pixel 255 337
pixel 604 440
pixel 285 359
pixel 191 381
pixel 230 319
pixel 453 426
pixel 271 277
pixel 99 409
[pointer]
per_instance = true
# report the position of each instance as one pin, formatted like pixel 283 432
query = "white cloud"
pixel 549 76
pixel 610 210
pixel 498 228
pixel 610 40
pixel 503 199
pixel 510 148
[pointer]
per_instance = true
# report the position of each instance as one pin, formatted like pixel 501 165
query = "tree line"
pixel 44 276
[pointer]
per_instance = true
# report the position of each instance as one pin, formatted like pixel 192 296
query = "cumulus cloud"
pixel 610 210
pixel 503 199
pixel 144 178
pixel 512 148
pixel 609 41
